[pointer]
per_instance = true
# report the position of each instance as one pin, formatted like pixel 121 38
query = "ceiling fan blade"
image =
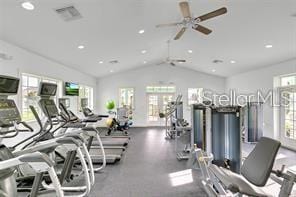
pixel 184 6
pixel 172 64
pixel 168 25
pixel 211 14
pixel 180 33
pixel 202 29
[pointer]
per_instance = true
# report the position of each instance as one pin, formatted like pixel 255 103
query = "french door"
pixel 157 103
pixel 288 117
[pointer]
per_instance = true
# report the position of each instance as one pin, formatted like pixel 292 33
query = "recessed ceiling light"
pixel 143 51
pixel 190 51
pixel 111 71
pixel 213 70
pixel 101 62
pixel 232 61
pixel 268 46
pixel 80 47
pixel 28 5
pixel 141 31
pixel 144 62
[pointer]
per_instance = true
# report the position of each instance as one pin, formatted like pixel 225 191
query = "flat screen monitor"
pixel 8 85
pixel 47 89
pixel 71 89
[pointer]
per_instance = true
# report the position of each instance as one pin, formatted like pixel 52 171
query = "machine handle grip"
pixel 7 132
pixel 64 110
pixel 27 126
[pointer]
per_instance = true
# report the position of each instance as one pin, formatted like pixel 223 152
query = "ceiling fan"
pixel 170 61
pixel 190 22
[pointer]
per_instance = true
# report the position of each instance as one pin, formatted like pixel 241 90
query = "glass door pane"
pixel 165 101
pixel 153 108
pixel 157 103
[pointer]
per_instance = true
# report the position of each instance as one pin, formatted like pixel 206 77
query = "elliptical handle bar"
pixel 32 108
pixel 64 110
pixel 30 129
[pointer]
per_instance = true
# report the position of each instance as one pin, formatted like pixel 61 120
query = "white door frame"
pixel 159 121
pixel 286 141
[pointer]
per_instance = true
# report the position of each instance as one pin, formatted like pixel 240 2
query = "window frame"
pixel 286 76
pixel 159 95
pixel 161 87
pixel 283 119
pixel 90 98
pixel 119 97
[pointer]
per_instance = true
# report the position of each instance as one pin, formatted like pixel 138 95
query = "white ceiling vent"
pixel 114 62
pixel 217 61
pixel 4 56
pixel 68 13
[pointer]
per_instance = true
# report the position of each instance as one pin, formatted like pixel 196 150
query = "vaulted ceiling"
pixel 109 30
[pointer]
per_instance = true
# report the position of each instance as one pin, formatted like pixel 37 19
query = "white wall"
pixel 27 62
pixel 262 79
pixel 108 87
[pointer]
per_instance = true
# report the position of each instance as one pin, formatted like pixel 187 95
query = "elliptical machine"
pixel 119 120
pixel 11 159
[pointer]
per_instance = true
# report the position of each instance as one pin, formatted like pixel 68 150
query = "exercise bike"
pixel 119 122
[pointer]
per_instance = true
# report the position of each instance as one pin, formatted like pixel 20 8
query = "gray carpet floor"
pixel 149 168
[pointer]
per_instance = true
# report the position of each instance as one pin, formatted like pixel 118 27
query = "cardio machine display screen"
pixel 8 85
pixel 8 111
pixel 48 89
pixel 4 105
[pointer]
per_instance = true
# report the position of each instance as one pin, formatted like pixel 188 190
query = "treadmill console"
pixel 8 113
pixel 51 107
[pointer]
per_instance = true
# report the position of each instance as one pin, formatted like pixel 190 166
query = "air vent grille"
pixel 68 13
pixel 217 61
pixel 4 56
pixel 114 62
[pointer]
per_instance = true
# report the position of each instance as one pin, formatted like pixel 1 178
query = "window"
pixel 160 89
pixel 86 92
pixel 126 96
pixel 290 114
pixel 126 99
pixel 153 108
pixel 194 95
pixel 30 86
pixel 288 80
pixel 288 109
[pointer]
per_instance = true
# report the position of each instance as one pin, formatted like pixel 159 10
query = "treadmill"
pixel 49 108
